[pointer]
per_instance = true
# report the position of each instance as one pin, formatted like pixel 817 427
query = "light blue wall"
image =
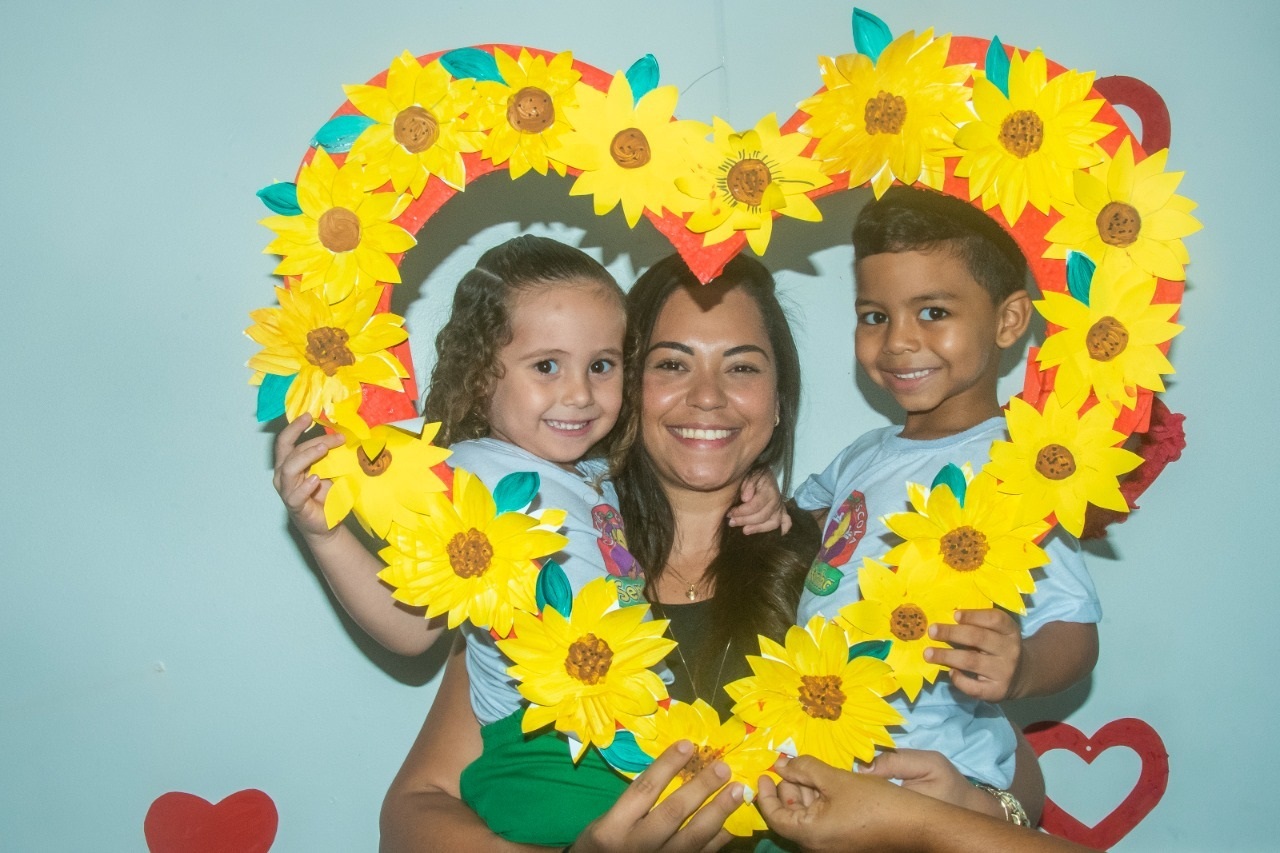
pixel 158 628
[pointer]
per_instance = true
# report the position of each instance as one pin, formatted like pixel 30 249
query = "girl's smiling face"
pixel 561 383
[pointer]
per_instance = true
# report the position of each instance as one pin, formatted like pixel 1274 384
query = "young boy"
pixel 940 295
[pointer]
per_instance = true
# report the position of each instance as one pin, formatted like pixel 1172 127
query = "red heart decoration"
pixel 244 822
pixel 1150 787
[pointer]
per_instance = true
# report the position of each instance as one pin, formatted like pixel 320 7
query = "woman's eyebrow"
pixel 687 350
pixel 739 350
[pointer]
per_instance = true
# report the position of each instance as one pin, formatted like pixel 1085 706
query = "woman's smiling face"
pixel 710 389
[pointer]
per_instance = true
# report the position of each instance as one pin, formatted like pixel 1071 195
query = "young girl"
pixel 527 378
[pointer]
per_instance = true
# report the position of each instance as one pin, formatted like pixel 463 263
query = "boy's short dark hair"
pixel 906 219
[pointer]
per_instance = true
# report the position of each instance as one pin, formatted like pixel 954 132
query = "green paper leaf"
pixel 953 478
pixel 516 491
pixel 271 396
pixel 870 34
pixel 997 66
pixel 339 133
pixel 625 754
pixel 553 589
pixel 472 63
pixel 643 76
pixel 281 198
pixel 1080 269
pixel 871 649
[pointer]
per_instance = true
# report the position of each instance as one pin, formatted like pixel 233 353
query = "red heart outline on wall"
pixel 1150 787
pixel 244 822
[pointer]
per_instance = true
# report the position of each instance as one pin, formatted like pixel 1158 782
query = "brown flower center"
pixel 469 553
pixel 747 180
pixel 588 659
pixel 1106 339
pixel 327 349
pixel 531 110
pixel 630 148
pixel 702 756
pixel 1055 462
pixel 1022 133
pixel 415 129
pixel 376 466
pixel 964 548
pixel 885 113
pixel 1119 224
pixel 339 229
pixel 821 696
pixel 908 622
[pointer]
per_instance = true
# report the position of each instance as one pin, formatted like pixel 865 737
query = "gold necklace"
pixel 693 684
pixel 692 592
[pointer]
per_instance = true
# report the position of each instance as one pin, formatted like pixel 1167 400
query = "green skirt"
pixel 527 788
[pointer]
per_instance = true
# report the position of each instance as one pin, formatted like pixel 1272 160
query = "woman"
pixel 712 394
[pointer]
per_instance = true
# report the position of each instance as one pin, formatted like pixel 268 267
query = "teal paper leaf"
pixel 281 198
pixel 339 133
pixel 553 589
pixel 625 754
pixel 953 478
pixel 472 63
pixel 871 649
pixel 516 491
pixel 271 396
pixel 870 34
pixel 1080 269
pixel 643 76
pixel 998 66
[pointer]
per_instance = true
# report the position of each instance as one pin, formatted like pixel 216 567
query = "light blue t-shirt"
pixel 596 548
pixel 871 475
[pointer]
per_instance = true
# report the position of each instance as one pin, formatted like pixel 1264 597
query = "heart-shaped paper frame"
pixel 394 400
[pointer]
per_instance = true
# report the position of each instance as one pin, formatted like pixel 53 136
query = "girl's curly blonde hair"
pixel 479 326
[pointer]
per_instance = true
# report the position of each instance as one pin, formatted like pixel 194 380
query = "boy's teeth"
pixel 704 434
pixel 915 374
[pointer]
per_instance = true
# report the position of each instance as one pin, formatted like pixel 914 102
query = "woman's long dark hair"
pixel 757 579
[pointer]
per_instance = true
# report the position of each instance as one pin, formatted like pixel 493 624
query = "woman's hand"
pixel 762 508
pixel 303 493
pixel 635 825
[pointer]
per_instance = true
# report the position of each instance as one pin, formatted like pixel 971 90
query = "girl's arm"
pixel 423 810
pixel 348 567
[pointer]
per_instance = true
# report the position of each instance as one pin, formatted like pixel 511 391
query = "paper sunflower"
pixel 1127 215
pixel 746 177
pixel 810 693
pixel 525 113
pixel 421 128
pixel 1026 143
pixel 328 349
pixel 1111 344
pixel 898 607
pixel 981 539
pixel 589 671
pixel 891 118
pixel 343 236
pixel 1059 461
pixel 629 152
pixel 748 758
pixel 384 477
pixel 464 558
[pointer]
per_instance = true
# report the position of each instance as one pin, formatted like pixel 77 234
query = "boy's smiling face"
pixel 931 336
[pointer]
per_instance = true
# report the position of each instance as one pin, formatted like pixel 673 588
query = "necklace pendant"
pixel 692 594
